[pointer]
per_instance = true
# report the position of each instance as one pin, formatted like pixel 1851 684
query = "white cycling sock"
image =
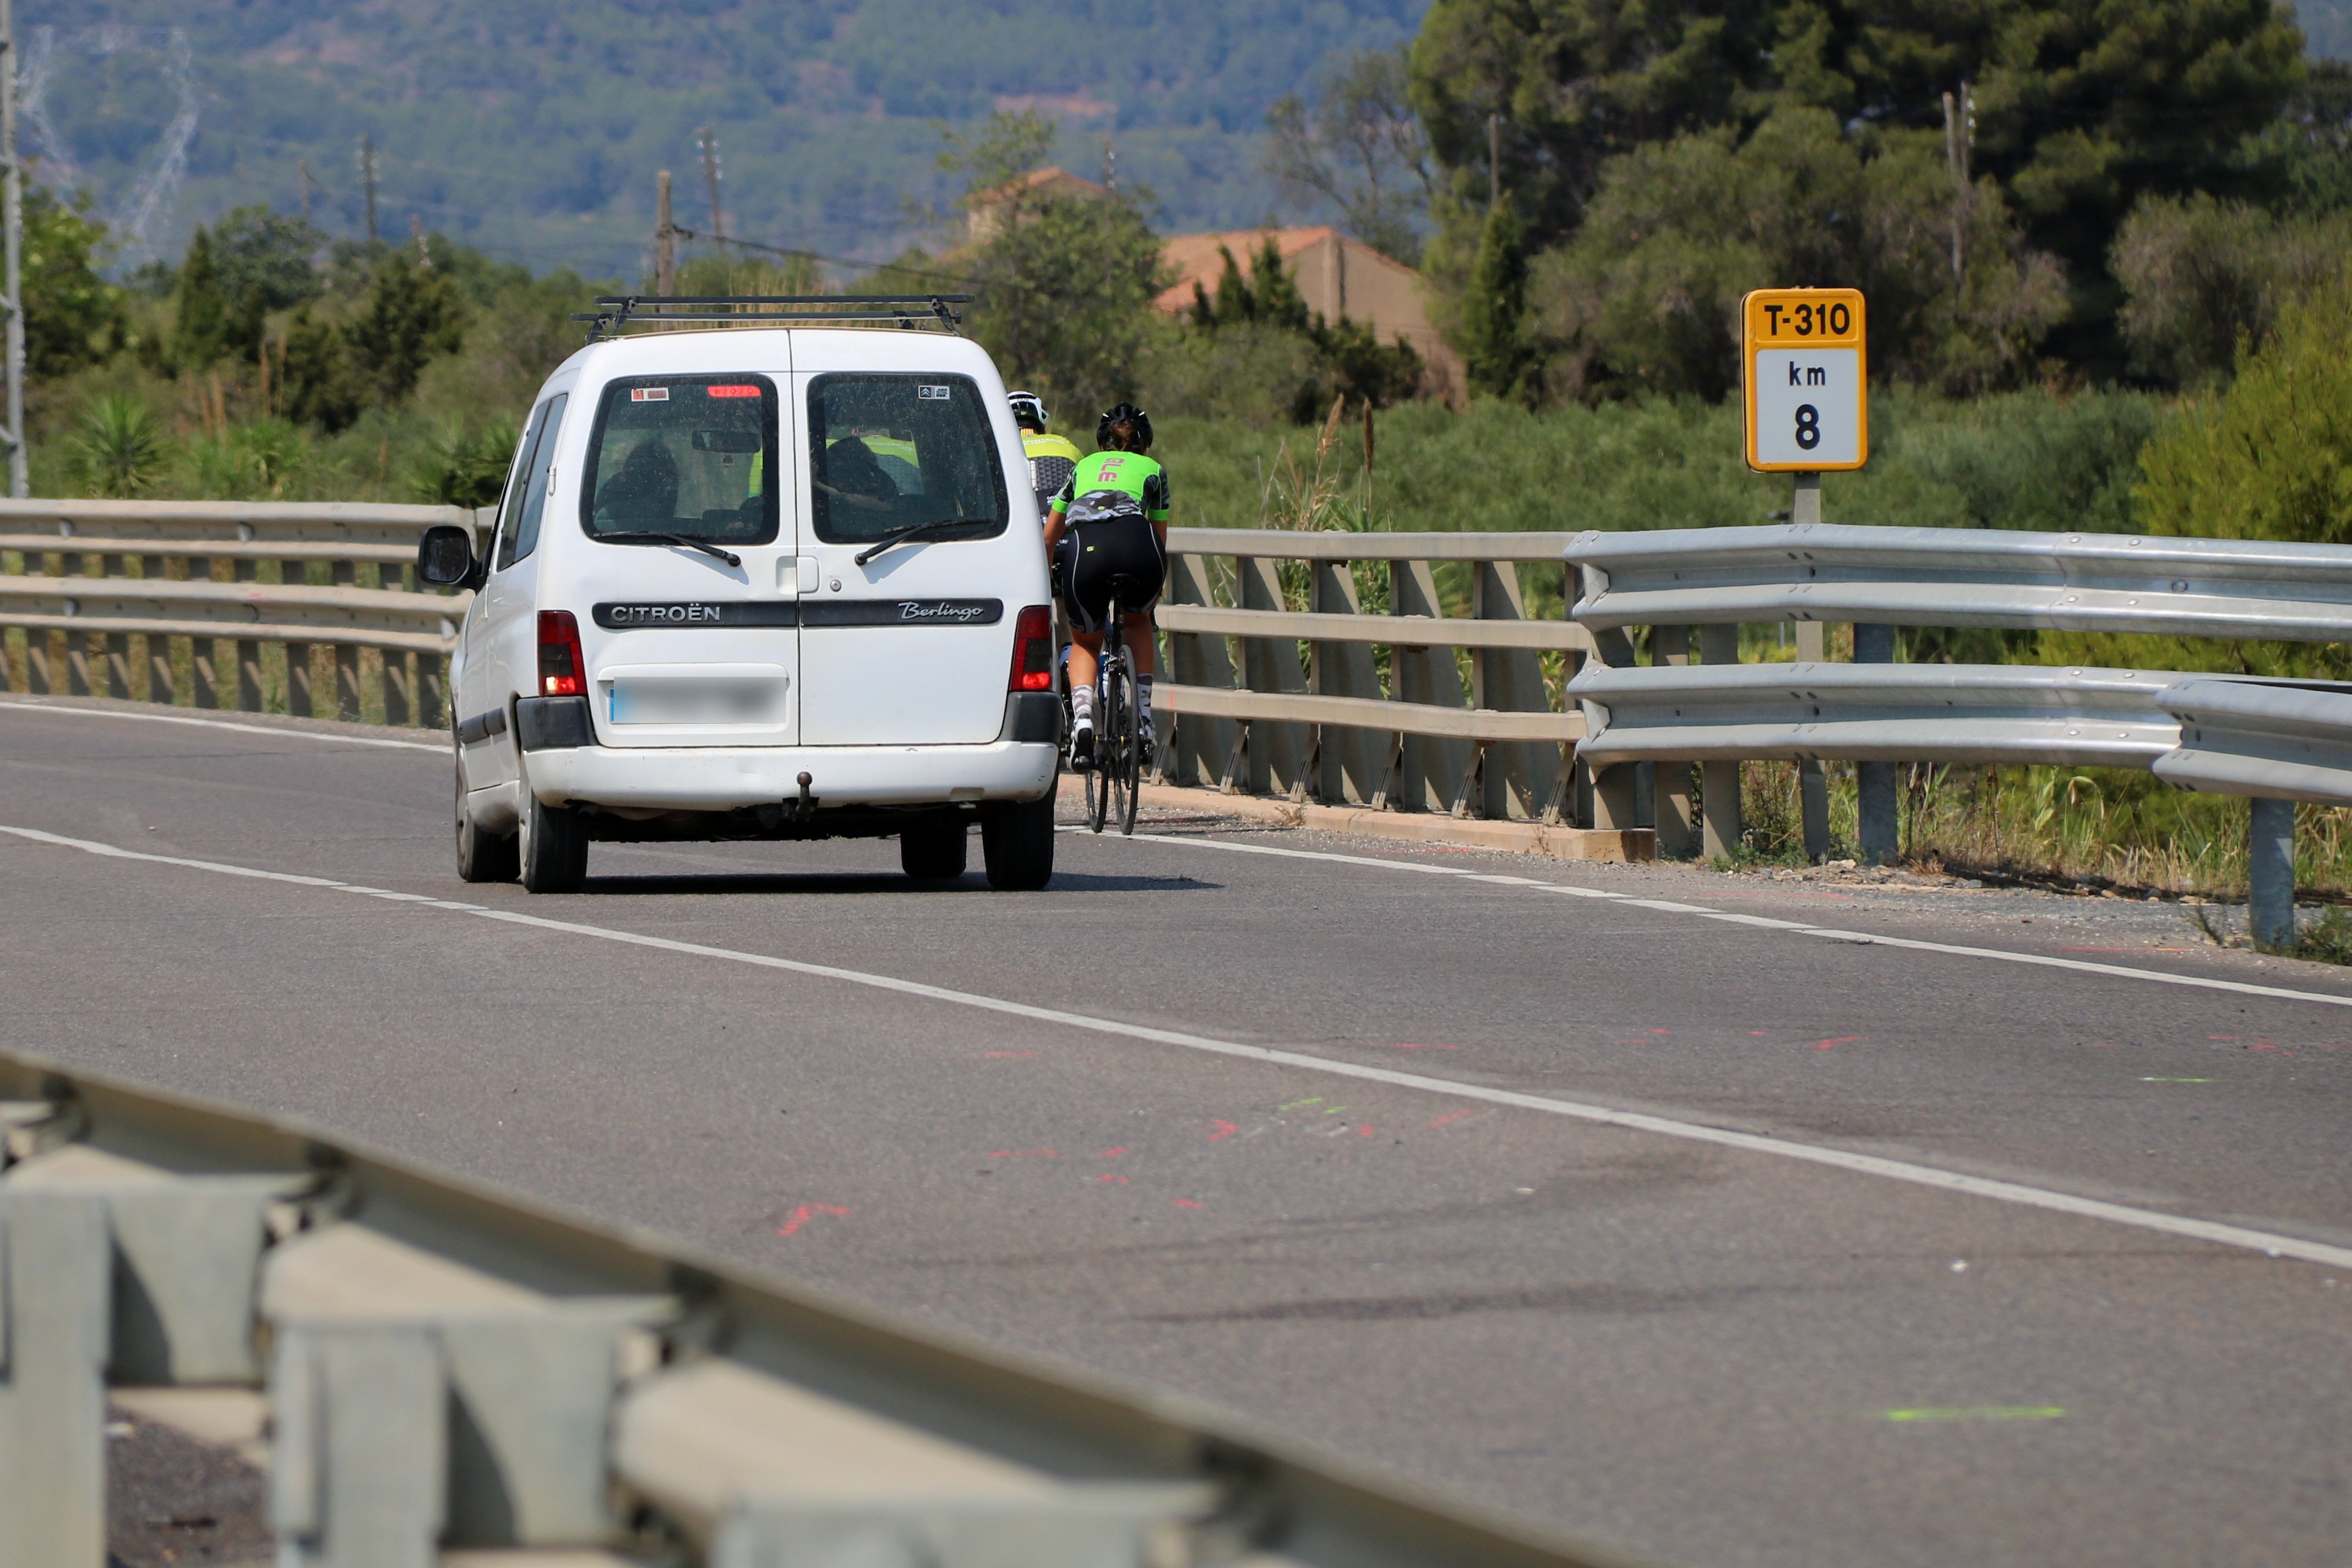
pixel 1143 699
pixel 1082 708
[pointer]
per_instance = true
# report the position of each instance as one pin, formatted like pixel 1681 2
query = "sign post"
pixel 1805 386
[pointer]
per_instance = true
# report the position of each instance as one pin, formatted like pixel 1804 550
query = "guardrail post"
pixel 1612 787
pixel 1352 762
pixel 2270 904
pixel 1719 781
pixel 158 647
pixel 347 654
pixel 1508 681
pixel 1277 750
pixel 1812 783
pixel 1875 782
pixel 1200 745
pixel 1670 782
pixel 1432 768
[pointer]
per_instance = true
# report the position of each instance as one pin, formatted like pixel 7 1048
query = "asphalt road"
pixel 1504 1175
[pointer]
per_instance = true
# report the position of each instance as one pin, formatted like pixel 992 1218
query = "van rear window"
pixel 692 456
pixel 889 451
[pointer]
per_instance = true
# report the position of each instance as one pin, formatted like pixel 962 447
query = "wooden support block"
pixel 117 665
pixel 40 674
pixel 1431 766
pixel 249 676
pixel 432 690
pixel 78 652
pixel 399 686
pixel 299 694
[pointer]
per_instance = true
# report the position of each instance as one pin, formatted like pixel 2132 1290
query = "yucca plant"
pixel 465 465
pixel 119 449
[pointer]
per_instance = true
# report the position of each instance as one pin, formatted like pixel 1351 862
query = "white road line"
pixel 11 707
pixel 2270 1244
pixel 1798 928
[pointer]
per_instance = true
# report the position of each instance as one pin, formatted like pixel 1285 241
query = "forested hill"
pixel 535 127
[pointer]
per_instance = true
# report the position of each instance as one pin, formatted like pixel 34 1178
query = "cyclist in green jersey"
pixel 1107 533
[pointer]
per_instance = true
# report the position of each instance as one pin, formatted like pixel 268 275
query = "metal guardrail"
pixel 1964 577
pixel 1894 712
pixel 1334 725
pixel 167 601
pixel 2276 741
pixel 445 1367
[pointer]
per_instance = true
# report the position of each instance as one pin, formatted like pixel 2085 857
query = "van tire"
pixel 1016 844
pixel 554 846
pixel 933 850
pixel 482 856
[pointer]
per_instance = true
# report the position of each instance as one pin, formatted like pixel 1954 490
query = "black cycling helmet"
pixel 1028 410
pixel 1134 418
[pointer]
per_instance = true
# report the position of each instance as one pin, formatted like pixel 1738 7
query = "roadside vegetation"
pixel 2122 307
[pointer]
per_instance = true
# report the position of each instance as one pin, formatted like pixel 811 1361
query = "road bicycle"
pixel 1114 777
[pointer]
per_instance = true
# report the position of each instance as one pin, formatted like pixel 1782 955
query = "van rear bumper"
pixel 729 778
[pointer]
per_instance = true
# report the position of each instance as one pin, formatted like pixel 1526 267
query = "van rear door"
pixel 911 646
pixel 685 648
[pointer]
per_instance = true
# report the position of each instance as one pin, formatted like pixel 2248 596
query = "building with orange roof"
pixel 1337 275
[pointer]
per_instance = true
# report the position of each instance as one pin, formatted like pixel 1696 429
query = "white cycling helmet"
pixel 1028 408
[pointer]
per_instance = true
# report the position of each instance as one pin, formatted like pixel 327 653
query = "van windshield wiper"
pixel 704 545
pixel 917 530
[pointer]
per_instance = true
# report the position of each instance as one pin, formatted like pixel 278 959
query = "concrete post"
pixel 1875 782
pixel 2270 906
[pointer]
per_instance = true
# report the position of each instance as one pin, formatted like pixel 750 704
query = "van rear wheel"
pixel 482 856
pixel 554 846
pixel 1016 844
pixel 932 849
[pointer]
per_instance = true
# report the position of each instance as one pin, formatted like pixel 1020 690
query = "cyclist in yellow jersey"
pixel 1050 458
pixel 1106 535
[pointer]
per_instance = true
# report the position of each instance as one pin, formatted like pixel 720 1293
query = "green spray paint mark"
pixel 1979 1413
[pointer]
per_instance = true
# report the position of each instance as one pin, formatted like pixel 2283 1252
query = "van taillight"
pixel 562 670
pixel 1033 651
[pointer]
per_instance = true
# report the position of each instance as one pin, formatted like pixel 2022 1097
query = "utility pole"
pixel 367 178
pixel 710 177
pixel 416 238
pixel 12 199
pixel 665 239
pixel 1959 136
pixel 1494 159
pixel 1110 163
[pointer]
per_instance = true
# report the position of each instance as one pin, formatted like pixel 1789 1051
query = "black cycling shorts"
pixel 1097 561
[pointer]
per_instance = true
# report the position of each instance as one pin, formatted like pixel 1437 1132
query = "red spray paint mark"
pixel 1189 1203
pixel 806 1211
pixel 1225 1129
pixel 1452 1116
pixel 1755 1031
pixel 1106 1176
pixel 1022 1153
pixel 1112 1153
pixel 1840 1040
pixel 1363 1132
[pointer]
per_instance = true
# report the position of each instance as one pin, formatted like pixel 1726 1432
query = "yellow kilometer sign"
pixel 1808 383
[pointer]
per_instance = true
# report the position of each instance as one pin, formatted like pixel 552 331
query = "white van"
pixel 758 583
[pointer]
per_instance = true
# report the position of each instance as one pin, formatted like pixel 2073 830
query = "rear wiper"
pixel 913 531
pixel 704 545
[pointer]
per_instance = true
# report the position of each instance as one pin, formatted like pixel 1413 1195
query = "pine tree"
pixel 201 317
pixel 1494 307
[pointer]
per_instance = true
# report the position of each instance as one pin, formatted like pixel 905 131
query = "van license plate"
pixel 696 701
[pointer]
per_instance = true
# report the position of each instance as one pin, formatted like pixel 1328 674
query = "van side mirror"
pixel 445 556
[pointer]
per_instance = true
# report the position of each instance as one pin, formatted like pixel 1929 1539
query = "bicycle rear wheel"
pixel 1123 759
pixel 1100 784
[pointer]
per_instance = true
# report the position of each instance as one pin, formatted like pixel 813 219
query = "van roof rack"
pixel 617 310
